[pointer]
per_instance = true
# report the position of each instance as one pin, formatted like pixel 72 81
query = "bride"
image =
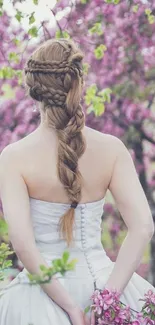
pixel 53 185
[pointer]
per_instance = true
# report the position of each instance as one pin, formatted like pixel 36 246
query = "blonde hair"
pixel 54 77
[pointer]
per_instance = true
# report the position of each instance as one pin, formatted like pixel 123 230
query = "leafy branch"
pixel 60 265
pixel 4 263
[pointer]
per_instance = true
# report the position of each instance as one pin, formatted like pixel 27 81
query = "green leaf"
pixel 7 264
pixel 99 51
pixel 43 268
pixel 90 109
pixel 112 314
pixel 4 263
pixel 35 2
pixel 86 67
pixel 1 276
pixel 31 18
pixel 65 257
pixel 6 73
pixel 99 107
pixel 3 227
pixel 71 265
pixel 115 2
pixel 58 265
pixel 148 11
pixel 1 3
pixel 90 93
pixel 135 8
pixel 62 34
pixel 96 99
pixel 16 41
pixel 105 94
pixel 19 75
pixel 1 74
pixel 19 15
pixel 97 28
pixel 151 19
pixel 13 57
pixel 86 310
pixel 33 31
pixel 84 1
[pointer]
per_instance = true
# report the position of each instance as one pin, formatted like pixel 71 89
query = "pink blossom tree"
pixel 118 40
pixel 119 44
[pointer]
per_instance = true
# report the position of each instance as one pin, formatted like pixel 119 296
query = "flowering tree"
pixel 119 45
pixel 17 119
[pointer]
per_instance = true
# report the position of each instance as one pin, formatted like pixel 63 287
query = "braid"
pixel 49 95
pixel 36 66
pixel 56 81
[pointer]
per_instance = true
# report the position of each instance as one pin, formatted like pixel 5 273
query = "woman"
pixel 53 184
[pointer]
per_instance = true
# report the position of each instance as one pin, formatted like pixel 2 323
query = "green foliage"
pixel 3 227
pixel 6 73
pixel 96 29
pixel 13 57
pixel 31 18
pixel 115 2
pixel 16 41
pixel 8 93
pixel 86 67
pixel 1 7
pixel 19 75
pixel 148 11
pixel 96 99
pixel 4 263
pixel 57 266
pixel 35 2
pixel 9 73
pixel 19 15
pixel 65 257
pixel 84 1
pixel 62 34
pixel 90 93
pixel 135 8
pixel 151 18
pixel 105 94
pixel 33 31
pixel 99 51
pixel 86 310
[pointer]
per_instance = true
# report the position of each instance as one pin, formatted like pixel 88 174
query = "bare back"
pixel 37 159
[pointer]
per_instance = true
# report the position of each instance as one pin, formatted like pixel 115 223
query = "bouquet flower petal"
pixel 109 310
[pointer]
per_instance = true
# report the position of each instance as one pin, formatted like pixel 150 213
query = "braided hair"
pixel 54 77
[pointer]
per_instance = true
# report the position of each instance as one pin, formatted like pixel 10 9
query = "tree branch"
pixel 57 22
pixel 146 137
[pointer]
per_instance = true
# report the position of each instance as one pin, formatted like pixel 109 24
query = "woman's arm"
pixel 16 208
pixel 133 206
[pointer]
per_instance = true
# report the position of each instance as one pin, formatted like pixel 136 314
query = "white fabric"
pixel 24 304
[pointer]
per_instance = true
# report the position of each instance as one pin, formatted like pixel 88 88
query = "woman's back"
pixel 36 155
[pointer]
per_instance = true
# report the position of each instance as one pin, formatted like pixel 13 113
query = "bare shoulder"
pixel 12 155
pixel 107 142
pixel 14 150
pixel 8 159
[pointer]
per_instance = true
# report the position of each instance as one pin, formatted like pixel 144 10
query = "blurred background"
pixel 118 40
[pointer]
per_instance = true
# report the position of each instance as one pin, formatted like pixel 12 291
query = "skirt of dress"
pixel 22 303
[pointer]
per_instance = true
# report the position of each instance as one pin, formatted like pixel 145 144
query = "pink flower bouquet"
pixel 109 310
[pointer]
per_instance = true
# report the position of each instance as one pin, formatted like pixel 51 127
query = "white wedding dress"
pixel 23 304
